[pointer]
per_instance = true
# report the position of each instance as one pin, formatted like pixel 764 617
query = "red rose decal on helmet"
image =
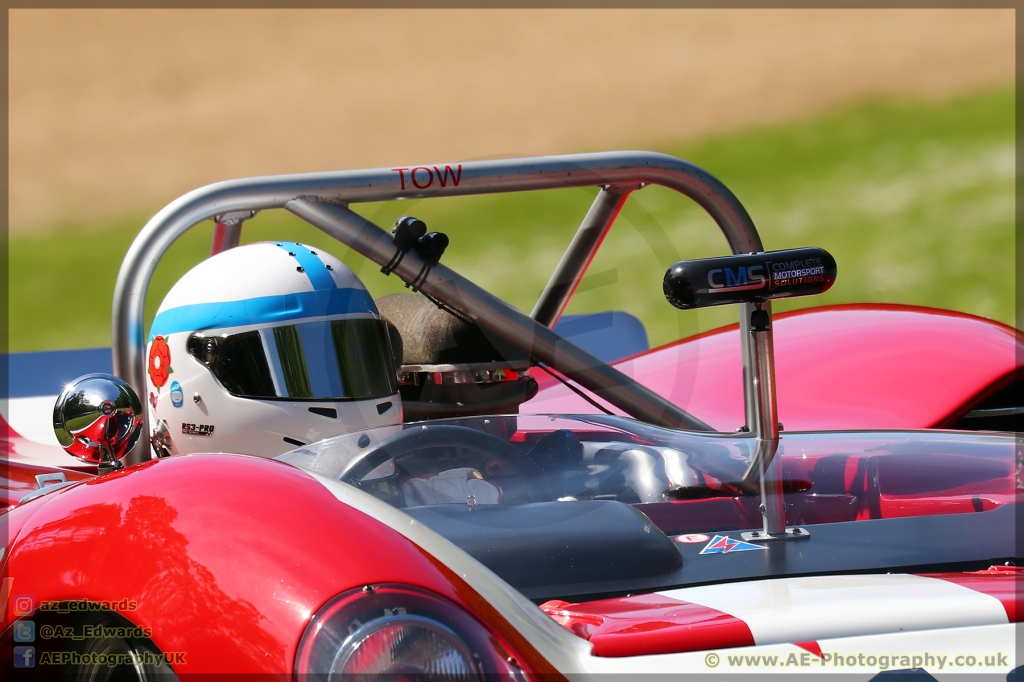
pixel 159 361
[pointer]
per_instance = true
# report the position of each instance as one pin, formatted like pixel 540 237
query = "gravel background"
pixel 113 111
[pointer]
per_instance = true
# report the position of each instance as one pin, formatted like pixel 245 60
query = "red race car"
pixel 436 486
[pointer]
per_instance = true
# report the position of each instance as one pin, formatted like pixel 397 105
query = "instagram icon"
pixel 24 604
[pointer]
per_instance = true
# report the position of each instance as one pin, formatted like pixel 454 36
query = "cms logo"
pixel 733 279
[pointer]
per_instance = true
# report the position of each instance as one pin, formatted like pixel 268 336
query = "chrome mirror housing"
pixel 98 419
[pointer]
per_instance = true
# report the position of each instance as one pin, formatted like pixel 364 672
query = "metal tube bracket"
pixel 227 233
pixel 787 534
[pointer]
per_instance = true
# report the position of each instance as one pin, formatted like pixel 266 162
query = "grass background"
pixel 914 199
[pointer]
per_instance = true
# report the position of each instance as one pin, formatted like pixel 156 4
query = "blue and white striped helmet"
pixel 266 347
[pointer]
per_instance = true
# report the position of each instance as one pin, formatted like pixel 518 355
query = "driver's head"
pixel 266 347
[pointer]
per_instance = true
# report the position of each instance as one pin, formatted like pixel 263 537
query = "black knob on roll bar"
pixel 405 235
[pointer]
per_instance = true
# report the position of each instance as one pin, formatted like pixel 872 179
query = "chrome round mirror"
pixel 98 419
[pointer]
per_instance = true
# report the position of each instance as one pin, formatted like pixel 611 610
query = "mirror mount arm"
pixel 752 280
pixel 765 468
pixel 107 461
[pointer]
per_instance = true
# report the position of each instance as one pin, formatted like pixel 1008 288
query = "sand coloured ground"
pixel 114 111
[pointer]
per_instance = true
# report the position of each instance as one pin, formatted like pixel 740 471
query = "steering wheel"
pixel 445 435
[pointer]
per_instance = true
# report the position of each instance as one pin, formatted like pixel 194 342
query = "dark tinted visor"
pixel 323 360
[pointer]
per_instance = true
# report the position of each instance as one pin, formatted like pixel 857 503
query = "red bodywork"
pixel 18 473
pixel 647 624
pixel 18 480
pixel 227 557
pixel 224 557
pixel 839 367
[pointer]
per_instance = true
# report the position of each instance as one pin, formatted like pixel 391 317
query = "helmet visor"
pixel 323 360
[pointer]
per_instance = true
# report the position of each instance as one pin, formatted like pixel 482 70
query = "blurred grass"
pixel 914 199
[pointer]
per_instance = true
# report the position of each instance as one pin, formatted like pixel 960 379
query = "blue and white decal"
pixel 177 397
pixel 721 544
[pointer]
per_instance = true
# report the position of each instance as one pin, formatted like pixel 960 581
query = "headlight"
pixel 398 632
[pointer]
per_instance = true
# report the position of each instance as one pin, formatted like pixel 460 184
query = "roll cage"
pixel 322 200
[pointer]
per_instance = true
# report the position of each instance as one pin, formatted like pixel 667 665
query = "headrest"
pixel 431 336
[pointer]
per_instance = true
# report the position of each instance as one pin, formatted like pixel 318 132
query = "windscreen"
pixel 346 359
pixel 684 481
pixel 571 508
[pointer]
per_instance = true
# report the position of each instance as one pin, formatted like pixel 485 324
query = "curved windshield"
pixel 576 508
pixel 685 482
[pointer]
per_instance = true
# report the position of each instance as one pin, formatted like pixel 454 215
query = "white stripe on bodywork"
pixel 32 418
pixel 821 607
pixel 790 660
pixel 772 608
pixel 562 649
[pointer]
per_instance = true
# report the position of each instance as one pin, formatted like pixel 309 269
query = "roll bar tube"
pixel 570 270
pixel 607 169
pixel 495 317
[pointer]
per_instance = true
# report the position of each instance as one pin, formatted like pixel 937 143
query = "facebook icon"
pixel 24 657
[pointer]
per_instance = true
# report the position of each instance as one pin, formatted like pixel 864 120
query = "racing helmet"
pixel 264 348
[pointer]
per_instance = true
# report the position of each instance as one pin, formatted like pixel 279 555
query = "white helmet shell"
pixel 266 347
